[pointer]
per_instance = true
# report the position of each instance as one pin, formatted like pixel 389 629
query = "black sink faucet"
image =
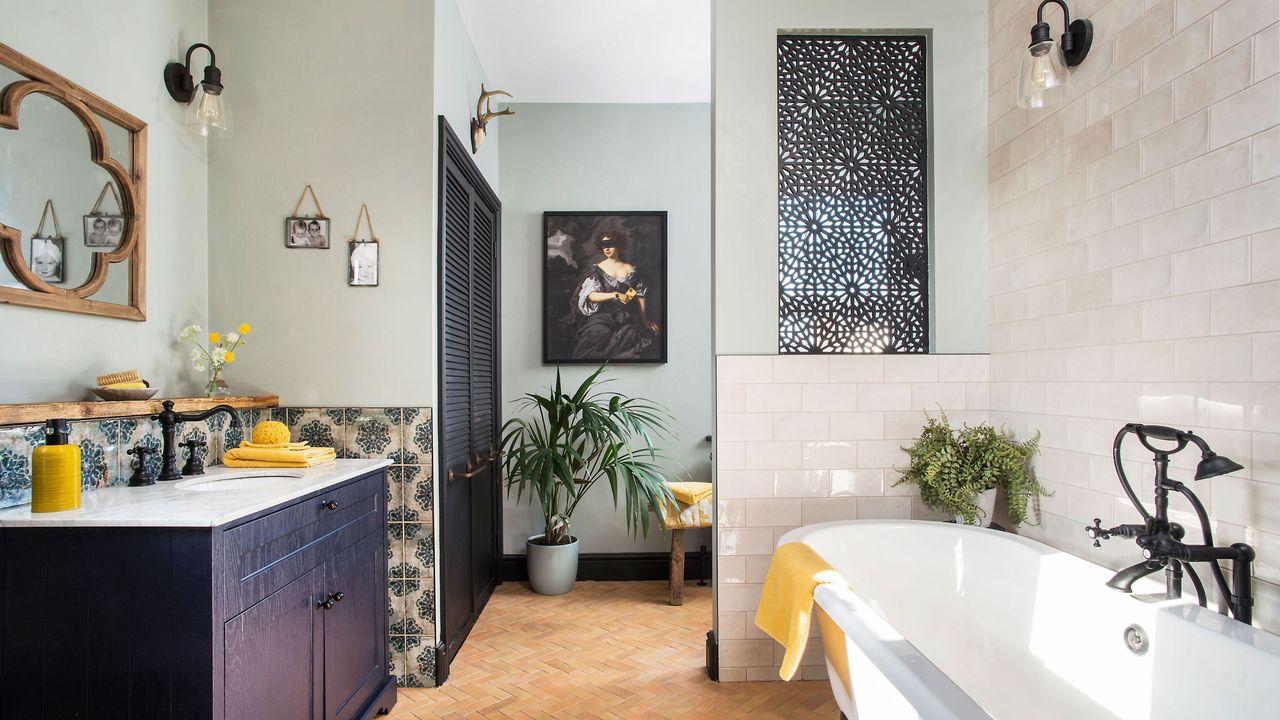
pixel 1161 540
pixel 169 420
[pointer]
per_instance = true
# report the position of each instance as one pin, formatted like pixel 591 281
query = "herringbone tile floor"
pixel 606 650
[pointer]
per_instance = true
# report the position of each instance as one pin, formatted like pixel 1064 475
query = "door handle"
pixel 471 472
pixel 331 600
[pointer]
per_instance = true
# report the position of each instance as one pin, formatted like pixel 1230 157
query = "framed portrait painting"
pixel 604 287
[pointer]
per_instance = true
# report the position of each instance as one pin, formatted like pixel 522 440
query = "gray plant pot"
pixel 552 568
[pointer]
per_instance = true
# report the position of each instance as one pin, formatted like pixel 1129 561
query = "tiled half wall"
pixel 401 434
pixel 805 439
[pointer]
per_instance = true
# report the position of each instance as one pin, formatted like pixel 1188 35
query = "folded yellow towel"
pixel 275 446
pixel 787 601
pixel 277 457
pixel 689 492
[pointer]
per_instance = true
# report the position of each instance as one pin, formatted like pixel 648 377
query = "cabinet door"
pixel 272 668
pixel 355 627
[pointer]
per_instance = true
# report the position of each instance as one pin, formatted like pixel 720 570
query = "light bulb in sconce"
pixel 1044 77
pixel 208 114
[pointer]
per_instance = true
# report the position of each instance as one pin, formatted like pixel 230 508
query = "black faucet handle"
pixel 194 465
pixel 139 477
pixel 1096 532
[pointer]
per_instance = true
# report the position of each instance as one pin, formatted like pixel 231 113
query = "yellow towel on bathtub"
pixel 277 457
pixel 787 601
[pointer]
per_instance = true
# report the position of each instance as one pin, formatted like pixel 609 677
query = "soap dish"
pixel 125 393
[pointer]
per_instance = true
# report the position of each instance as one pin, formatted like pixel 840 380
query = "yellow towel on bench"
pixel 277 457
pixel 689 493
pixel 787 601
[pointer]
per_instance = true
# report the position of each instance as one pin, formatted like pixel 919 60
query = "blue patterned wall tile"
pixel 16 444
pixel 395 488
pixel 373 434
pixel 419 493
pixel 98 461
pixel 424 664
pixel 420 551
pixel 418 430
pixel 315 426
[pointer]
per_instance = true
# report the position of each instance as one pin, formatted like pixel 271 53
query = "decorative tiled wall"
pixel 1135 263
pixel 810 438
pixel 401 434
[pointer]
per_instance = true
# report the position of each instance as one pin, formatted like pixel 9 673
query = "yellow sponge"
pixel 270 432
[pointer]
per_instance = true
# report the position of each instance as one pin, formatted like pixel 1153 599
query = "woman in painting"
pixel 613 323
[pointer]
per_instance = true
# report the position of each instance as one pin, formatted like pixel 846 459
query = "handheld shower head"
pixel 1212 465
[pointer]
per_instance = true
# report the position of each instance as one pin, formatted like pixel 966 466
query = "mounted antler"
pixel 484 114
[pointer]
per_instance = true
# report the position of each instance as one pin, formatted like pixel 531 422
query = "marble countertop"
pixel 183 503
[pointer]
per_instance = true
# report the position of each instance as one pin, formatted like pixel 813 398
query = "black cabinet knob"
pixel 331 600
pixel 329 504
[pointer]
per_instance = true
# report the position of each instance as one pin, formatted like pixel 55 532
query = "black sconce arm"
pixel 1077 36
pixel 213 59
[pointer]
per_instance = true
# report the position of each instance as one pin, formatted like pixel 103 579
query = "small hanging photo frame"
pixel 307 231
pixel 48 254
pixel 362 255
pixel 105 230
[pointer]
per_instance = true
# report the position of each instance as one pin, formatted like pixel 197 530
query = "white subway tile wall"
pixel 1161 224
pixel 806 439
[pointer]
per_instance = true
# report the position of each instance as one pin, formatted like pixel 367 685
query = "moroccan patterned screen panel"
pixel 853 225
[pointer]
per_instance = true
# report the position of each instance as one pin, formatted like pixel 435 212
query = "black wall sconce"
pixel 208 114
pixel 1044 76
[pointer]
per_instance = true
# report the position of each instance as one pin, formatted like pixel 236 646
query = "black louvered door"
pixel 470 499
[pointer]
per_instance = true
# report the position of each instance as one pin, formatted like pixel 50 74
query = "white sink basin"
pixel 259 480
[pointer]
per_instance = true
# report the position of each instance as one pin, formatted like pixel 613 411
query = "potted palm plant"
pixel 960 471
pixel 567 444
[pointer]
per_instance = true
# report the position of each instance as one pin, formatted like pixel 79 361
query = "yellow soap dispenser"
pixel 55 470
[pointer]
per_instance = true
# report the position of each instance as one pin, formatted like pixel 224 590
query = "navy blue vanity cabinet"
pixel 280 615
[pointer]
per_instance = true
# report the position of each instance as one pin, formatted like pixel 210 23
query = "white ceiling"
pixel 594 51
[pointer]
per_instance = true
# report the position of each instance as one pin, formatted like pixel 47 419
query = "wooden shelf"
pixel 33 413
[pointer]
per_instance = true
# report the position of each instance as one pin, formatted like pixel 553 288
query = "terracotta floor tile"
pixel 605 651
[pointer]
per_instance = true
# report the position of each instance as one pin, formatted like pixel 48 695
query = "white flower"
pixel 198 360
pixel 219 356
pixel 189 332
pixel 232 338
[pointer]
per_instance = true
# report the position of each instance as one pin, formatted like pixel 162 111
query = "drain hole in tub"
pixel 1135 638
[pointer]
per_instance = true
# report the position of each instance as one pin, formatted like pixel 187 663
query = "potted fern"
pixel 960 470
pixel 569 443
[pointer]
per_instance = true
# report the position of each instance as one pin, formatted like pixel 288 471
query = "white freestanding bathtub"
pixel 947 621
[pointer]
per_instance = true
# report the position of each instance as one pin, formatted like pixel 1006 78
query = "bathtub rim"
pixel 921 682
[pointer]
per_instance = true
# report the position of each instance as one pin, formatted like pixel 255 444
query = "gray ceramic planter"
pixel 552 568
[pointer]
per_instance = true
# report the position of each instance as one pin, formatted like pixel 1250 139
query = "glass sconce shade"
pixel 1043 78
pixel 209 115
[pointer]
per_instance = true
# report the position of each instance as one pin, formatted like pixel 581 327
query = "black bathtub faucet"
pixel 169 420
pixel 1161 540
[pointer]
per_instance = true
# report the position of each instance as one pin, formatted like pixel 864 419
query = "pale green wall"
pixel 118 51
pixel 342 100
pixel 746 159
pixel 611 157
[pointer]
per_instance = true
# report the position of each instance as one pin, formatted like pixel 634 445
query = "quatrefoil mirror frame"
pixel 131 183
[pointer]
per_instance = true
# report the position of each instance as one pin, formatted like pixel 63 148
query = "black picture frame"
pixel 112 234
pixel 566 263
pixel 57 243
pixel 369 260
pixel 291 241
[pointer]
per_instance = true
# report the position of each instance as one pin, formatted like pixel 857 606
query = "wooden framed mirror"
pixel 73 195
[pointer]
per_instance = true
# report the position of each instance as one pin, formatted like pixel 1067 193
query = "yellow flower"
pixel 230 357
pixel 244 328
pixel 215 337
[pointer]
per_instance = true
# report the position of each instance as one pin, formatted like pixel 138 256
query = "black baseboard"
pixel 619 566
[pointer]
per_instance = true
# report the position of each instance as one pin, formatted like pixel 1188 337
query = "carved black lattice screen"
pixel 853 253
